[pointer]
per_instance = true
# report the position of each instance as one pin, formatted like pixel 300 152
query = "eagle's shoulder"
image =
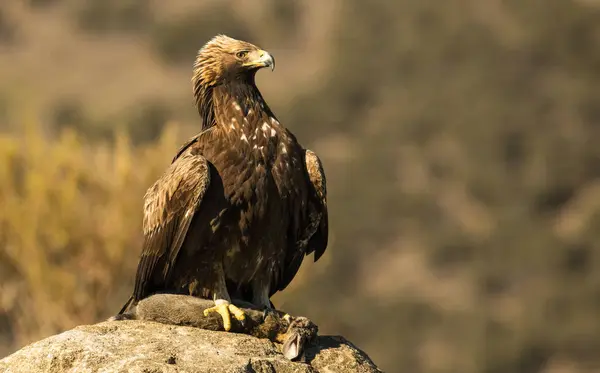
pixel 316 174
pixel 195 143
pixel 177 191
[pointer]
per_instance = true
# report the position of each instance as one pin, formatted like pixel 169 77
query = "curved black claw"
pixel 121 316
pixel 268 311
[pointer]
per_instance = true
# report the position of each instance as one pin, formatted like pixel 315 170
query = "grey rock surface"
pixel 145 346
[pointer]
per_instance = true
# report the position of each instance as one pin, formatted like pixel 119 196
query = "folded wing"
pixel 169 207
pixel 313 237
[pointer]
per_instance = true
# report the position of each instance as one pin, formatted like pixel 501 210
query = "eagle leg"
pixel 260 298
pixel 222 301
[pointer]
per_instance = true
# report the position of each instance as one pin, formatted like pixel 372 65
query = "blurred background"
pixel 460 140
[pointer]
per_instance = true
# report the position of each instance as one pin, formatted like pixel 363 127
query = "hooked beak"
pixel 262 59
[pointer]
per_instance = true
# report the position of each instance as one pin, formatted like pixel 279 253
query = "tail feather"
pixel 126 306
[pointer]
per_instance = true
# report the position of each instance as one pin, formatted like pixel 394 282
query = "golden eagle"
pixel 242 202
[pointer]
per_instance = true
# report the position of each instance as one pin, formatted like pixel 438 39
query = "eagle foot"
pixel 269 311
pixel 225 309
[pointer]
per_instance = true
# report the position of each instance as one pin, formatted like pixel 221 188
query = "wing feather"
pixel 314 236
pixel 169 206
pixel 317 242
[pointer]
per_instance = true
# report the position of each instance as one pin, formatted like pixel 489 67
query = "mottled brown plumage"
pixel 242 202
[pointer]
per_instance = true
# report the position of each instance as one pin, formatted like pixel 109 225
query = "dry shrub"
pixel 70 227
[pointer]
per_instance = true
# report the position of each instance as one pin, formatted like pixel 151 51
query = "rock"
pixel 150 347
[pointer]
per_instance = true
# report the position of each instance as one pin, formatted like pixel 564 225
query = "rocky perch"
pixel 147 346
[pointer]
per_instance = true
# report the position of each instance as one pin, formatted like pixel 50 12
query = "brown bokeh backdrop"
pixel 460 140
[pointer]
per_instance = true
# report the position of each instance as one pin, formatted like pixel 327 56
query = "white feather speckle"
pixel 273 132
pixel 244 138
pixel 274 121
pixel 283 149
pixel 265 127
pixel 237 106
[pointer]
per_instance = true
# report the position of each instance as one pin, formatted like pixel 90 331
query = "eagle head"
pixel 223 58
pixel 225 61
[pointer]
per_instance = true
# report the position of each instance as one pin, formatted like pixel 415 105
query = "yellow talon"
pixel 237 313
pixel 224 309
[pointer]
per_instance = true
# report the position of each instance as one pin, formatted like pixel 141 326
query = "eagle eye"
pixel 241 54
